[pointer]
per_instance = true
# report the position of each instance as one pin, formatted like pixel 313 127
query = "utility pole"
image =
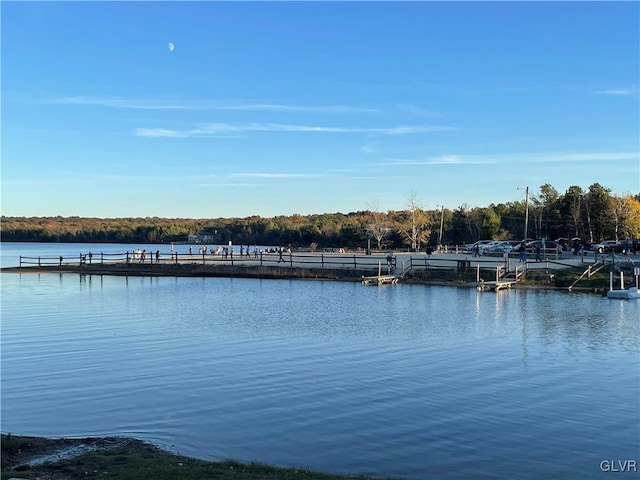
pixel 526 211
pixel 441 225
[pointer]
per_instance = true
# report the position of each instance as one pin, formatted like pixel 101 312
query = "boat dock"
pixel 623 293
pixel 494 286
pixel 505 279
pixel 381 268
pixel 380 280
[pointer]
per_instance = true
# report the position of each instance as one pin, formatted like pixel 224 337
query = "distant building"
pixel 201 237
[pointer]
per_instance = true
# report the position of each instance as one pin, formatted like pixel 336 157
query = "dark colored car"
pixel 548 246
pixel 609 246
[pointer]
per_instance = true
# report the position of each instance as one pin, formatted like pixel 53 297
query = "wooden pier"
pixel 492 274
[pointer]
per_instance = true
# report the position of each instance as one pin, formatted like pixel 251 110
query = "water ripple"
pixel 411 380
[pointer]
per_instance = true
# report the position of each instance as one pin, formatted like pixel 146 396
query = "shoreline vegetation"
pixel 591 215
pixel 127 458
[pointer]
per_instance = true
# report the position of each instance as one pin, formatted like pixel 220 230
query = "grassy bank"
pixel 125 458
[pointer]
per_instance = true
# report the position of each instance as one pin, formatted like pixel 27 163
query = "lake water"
pixel 406 380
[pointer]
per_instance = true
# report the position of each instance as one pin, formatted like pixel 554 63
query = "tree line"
pixel 592 215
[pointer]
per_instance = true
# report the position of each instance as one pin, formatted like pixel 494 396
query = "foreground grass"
pixel 131 459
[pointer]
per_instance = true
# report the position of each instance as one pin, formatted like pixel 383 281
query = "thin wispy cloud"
pixel 378 177
pixel 31 182
pixel 195 104
pixel 175 174
pixel 416 110
pixel 115 102
pixel 532 158
pixel 279 175
pixel 164 132
pixel 231 185
pixel 442 160
pixel 368 149
pixel 226 128
pixel 335 174
pixel 572 157
pixel 271 107
pixel 618 91
pixel 74 178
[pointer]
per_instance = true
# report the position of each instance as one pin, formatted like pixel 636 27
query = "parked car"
pixel 548 245
pixel 609 246
pixel 564 242
pixel 488 247
pixel 480 243
pixel 500 247
pixel 517 244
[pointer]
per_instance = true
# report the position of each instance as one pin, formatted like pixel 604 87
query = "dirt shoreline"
pixel 42 458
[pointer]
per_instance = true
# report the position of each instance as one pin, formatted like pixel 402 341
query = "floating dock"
pixel 380 280
pixel 504 280
pixel 624 293
pixel 495 286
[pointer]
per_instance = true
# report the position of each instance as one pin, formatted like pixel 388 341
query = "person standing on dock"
pixel 390 262
pixel 523 252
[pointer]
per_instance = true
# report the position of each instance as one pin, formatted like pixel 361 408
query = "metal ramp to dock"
pixel 494 286
pixel 381 279
pixel 504 279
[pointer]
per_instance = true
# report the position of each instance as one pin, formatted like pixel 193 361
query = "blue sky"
pixel 266 108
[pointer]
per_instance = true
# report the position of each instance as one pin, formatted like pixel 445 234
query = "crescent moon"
pixel 171 47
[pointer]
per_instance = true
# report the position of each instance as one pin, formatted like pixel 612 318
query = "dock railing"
pixel 321 260
pixel 400 263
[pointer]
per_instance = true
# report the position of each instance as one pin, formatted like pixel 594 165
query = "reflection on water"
pixel 407 380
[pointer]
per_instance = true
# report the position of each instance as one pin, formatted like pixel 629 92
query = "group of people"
pixel 522 252
pixel 247 252
pixel 141 256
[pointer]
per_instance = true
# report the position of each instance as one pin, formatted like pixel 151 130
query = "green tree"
pixel 490 224
pixel 545 212
pixel 571 206
pixel 598 212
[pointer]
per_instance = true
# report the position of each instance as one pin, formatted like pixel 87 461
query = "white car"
pixel 481 244
pixel 499 247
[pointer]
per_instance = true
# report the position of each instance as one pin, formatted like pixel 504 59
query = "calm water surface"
pixel 414 381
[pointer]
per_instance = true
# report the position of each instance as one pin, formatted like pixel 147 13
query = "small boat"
pixel 623 293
